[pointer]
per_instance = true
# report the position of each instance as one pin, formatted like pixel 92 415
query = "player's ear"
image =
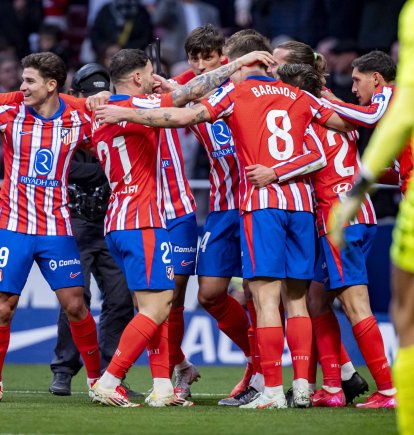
pixel 377 78
pixel 51 85
pixel 137 78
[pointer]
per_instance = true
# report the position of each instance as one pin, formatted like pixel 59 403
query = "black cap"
pixel 91 79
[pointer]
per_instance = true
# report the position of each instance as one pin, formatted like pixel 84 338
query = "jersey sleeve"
pixel 366 116
pixel 320 112
pixel 184 77
pixel 77 103
pixel 312 159
pixel 221 103
pixel 11 97
pixel 147 101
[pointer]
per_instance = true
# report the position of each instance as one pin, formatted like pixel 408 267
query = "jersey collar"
pixel 262 78
pixel 119 97
pixel 59 112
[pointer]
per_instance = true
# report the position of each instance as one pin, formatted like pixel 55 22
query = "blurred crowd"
pixel 82 31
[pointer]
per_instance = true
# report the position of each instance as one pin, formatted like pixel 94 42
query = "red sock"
pixel 135 337
pixel 371 345
pixel 256 354
pixel 232 320
pixel 175 336
pixel 86 341
pixel 271 342
pixel 158 354
pixel 344 355
pixel 328 342
pixel 4 344
pixel 252 313
pixel 299 339
pixel 313 361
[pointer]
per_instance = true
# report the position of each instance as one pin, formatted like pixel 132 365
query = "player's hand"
pixel 256 57
pixel 163 86
pixel 329 95
pixel 260 175
pixel 111 114
pixel 340 214
pixel 98 99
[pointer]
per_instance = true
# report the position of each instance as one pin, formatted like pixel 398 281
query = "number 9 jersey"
pixel 130 155
pixel 268 120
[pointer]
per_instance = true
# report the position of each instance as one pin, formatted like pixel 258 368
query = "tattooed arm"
pixel 163 117
pixel 204 83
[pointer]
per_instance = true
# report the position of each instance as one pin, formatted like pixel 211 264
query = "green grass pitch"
pixel 28 408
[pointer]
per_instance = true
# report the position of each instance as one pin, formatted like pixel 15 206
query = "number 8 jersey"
pixel 268 120
pixel 130 155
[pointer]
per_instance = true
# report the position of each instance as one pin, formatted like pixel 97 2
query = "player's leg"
pixel 264 260
pixel 117 304
pixel 219 259
pixel 402 254
pixel 66 361
pixel 59 261
pixel 300 262
pixel 351 284
pixel 16 259
pixel 184 237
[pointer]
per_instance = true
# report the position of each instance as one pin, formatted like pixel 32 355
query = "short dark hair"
pixel 302 76
pixel 204 40
pixel 241 33
pixel 376 61
pixel 49 65
pixel 125 61
pixel 247 44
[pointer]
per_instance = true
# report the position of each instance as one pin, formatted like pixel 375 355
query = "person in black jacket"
pixel 89 193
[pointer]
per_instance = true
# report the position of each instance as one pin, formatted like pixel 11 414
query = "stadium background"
pixel 76 30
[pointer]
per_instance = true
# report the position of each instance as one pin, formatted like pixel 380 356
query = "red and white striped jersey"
pixel 268 119
pixel 130 155
pixel 37 153
pixel 178 198
pixel 218 142
pixel 332 182
pixel 366 116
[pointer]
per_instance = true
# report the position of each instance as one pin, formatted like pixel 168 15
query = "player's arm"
pixel 163 117
pixel 366 116
pixel 311 160
pixel 204 83
pixel 11 97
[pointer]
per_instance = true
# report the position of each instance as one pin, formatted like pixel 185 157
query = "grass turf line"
pixel 28 409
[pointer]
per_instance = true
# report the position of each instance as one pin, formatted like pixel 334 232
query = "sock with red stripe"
pixel 4 345
pixel 299 339
pixel 271 342
pixel 328 342
pixel 134 339
pixel 175 336
pixel 371 345
pixel 86 341
pixel 232 320
pixel 158 354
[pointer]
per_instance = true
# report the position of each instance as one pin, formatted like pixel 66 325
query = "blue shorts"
pixel 336 267
pixel 184 237
pixel 144 256
pixel 219 253
pixel 57 256
pixel 278 244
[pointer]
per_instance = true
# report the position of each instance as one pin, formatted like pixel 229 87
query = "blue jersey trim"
pixel 262 78
pixel 59 112
pixel 119 97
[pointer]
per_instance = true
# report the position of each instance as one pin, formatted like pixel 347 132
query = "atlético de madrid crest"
pixel 66 135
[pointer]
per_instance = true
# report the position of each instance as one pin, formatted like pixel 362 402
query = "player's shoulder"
pixel 152 101
pixel 382 93
pixel 221 93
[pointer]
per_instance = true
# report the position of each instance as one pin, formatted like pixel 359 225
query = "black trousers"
pixel 117 306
